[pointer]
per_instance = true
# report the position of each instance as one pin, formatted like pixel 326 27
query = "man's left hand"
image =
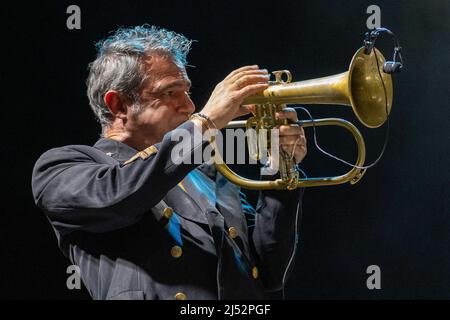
pixel 292 137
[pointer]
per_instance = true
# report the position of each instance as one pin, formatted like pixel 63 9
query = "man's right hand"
pixel 225 102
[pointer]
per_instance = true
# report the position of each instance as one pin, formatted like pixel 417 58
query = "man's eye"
pixel 169 93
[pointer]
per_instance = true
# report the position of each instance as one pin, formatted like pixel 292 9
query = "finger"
pixel 251 108
pixel 287 113
pixel 253 67
pixel 291 140
pixel 241 74
pixel 251 89
pixel 300 153
pixel 291 130
pixel 287 148
pixel 243 110
pixel 303 131
pixel 251 79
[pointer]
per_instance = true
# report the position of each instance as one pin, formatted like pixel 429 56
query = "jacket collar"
pixel 115 149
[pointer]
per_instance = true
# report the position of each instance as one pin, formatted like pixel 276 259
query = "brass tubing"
pixel 351 176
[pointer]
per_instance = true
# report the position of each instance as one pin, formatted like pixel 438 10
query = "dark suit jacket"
pixel 111 219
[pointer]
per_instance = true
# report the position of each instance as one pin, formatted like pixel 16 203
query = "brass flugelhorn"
pixel 360 87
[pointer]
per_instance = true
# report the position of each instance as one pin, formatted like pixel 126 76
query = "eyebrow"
pixel 174 84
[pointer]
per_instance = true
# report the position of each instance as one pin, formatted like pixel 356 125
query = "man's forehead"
pixel 158 66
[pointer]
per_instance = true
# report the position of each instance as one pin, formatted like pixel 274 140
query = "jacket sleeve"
pixel 78 191
pixel 274 237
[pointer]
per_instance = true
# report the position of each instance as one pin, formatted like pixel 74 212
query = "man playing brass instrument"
pixel 140 226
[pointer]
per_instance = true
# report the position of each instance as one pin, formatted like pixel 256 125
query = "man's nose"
pixel 186 105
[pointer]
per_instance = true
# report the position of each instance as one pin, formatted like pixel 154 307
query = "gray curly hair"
pixel 118 65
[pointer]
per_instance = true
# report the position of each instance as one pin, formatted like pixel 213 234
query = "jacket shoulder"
pixel 70 150
pixel 56 160
pixel 70 153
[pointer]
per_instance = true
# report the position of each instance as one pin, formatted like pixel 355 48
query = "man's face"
pixel 165 100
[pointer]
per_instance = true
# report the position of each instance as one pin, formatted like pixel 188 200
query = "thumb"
pixel 243 110
pixel 250 108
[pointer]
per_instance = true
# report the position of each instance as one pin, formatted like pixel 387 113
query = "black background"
pixel 396 217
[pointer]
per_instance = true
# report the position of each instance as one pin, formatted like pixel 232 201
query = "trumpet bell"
pixel 368 96
pixel 360 87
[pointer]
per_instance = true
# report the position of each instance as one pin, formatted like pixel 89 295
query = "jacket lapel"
pixel 229 203
pixel 199 190
pixel 186 204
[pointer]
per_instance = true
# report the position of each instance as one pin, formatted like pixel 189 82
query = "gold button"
pixel 255 272
pixel 168 212
pixel 176 251
pixel 232 232
pixel 180 296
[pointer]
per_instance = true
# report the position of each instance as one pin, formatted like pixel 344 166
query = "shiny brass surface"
pixel 176 251
pixel 351 176
pixel 232 232
pixel 255 272
pixel 168 213
pixel 180 296
pixel 360 87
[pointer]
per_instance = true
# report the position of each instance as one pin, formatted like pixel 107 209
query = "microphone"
pixel 392 67
pixel 389 67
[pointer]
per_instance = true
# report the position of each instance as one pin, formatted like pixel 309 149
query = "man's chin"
pixel 184 119
pixel 180 121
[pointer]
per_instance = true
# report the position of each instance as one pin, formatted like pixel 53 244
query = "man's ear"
pixel 116 104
